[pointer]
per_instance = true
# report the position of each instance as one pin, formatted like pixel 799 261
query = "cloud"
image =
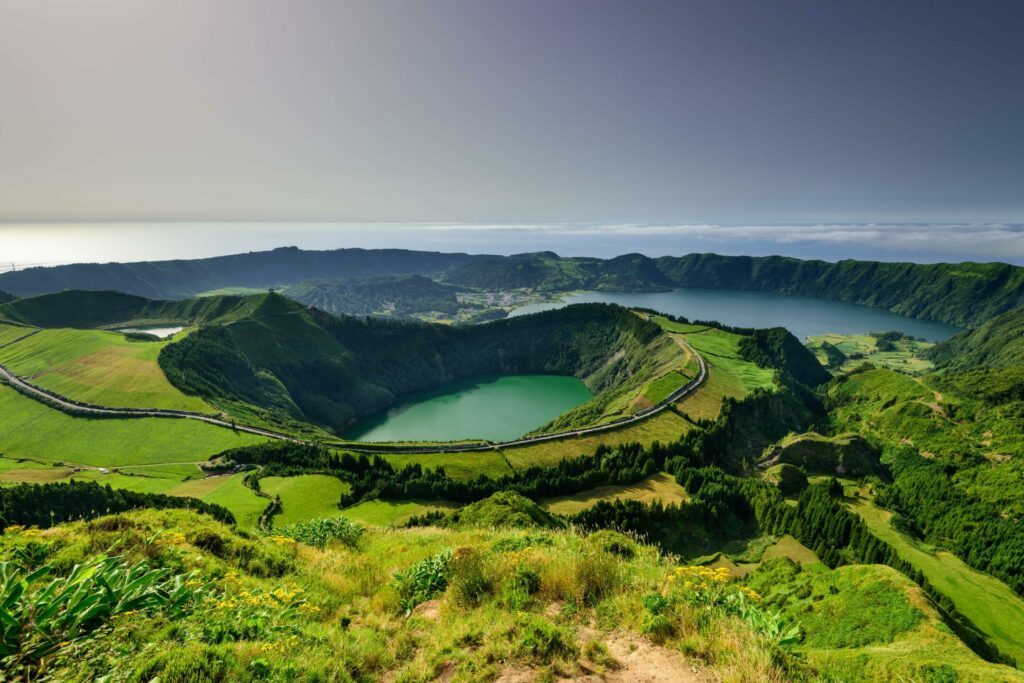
pixel 944 237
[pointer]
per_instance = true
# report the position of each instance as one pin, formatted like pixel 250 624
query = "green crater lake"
pixel 498 408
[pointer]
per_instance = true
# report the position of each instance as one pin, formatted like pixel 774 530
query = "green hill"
pixel 996 343
pixel 958 293
pixel 776 347
pixel 852 611
pixel 261 269
pixel 332 370
pixel 91 309
pixel 5 297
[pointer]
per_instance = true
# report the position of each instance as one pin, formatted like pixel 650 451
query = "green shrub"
pixel 423 581
pixel 614 542
pixel 187 664
pixel 320 532
pixel 38 615
pixel 469 580
pixel 542 641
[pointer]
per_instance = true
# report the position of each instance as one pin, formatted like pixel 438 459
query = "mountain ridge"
pixel 964 294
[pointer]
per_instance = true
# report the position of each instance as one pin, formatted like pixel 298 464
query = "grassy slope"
pixel 729 375
pixel 742 558
pixel 659 487
pixel 458 465
pixel 394 512
pixel 34 430
pixel 308 496
pixel 354 626
pixel 665 427
pixel 11 333
pixel 998 342
pixel 229 491
pixel 868 622
pixel 986 601
pixel 99 367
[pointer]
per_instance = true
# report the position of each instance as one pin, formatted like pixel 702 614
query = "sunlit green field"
pixel 458 465
pixel 307 496
pixel 34 430
pixel 665 427
pixel 659 487
pixel 729 375
pixel 11 333
pixel 229 491
pixel 392 512
pixel 986 601
pixel 98 367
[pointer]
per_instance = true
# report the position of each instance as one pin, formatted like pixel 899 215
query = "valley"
pixel 716 441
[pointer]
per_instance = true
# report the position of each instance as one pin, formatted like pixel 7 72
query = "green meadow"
pixel 659 487
pixel 394 512
pixel 98 367
pixel 34 430
pixel 307 496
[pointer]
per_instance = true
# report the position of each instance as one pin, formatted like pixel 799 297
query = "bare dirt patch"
pixel 636 661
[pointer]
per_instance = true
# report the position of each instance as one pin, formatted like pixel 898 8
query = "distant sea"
pixel 25 244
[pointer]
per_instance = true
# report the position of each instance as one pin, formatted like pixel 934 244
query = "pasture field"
pixel 665 427
pixel 989 603
pixel 394 512
pixel 227 490
pixel 659 487
pixel 307 496
pixel 729 375
pixel 34 430
pixel 457 465
pixel 174 472
pixel 721 351
pixel 16 471
pixel 12 333
pixel 99 367
pixel 661 388
pixel 144 479
pixel 863 348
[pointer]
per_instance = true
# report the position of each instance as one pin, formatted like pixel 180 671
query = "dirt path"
pixel 635 661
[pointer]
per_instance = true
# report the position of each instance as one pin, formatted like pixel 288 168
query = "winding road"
pixel 73 407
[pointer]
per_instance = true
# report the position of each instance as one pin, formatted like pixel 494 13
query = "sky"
pixel 876 129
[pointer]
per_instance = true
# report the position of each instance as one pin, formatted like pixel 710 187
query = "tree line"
pixel 44 505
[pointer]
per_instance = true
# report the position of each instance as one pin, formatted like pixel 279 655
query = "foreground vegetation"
pixel 465 604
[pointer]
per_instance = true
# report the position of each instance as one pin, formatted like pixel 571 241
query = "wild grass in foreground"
pixel 403 605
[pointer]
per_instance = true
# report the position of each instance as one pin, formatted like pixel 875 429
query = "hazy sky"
pixel 683 112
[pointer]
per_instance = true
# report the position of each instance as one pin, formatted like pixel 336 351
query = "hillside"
pixel 962 294
pixel 184 278
pixel 996 343
pixel 957 293
pixel 5 297
pixel 91 309
pixel 354 603
pixel 332 370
